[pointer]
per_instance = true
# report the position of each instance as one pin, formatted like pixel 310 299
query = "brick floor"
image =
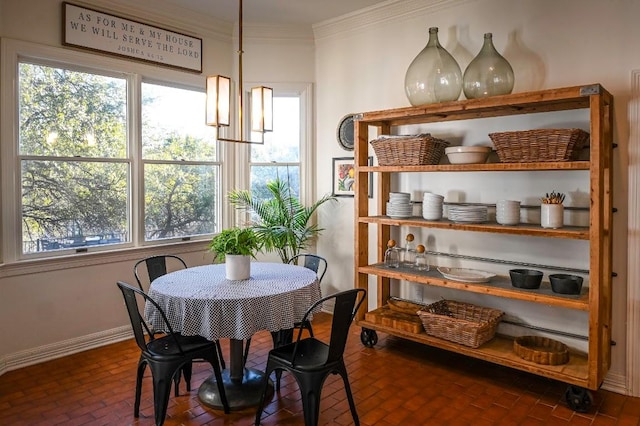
pixel 395 383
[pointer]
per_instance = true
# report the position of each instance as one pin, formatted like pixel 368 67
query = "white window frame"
pixel 305 93
pixel 13 51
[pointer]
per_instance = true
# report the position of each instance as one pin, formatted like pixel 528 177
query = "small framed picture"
pixel 344 177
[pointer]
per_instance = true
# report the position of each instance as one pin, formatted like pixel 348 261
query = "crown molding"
pixel 267 34
pixel 383 12
pixel 167 16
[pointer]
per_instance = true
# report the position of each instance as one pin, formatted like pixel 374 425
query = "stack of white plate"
pixel 432 206
pixel 468 214
pixel 399 205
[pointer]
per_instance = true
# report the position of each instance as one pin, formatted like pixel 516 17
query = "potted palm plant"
pixel 235 247
pixel 281 222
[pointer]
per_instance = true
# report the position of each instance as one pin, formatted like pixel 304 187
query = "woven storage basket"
pixel 541 350
pixel 413 150
pixel 539 145
pixel 459 322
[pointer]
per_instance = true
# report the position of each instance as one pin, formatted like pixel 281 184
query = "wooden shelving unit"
pixel 583 372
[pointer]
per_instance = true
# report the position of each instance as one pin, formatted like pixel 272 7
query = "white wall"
pixel 360 66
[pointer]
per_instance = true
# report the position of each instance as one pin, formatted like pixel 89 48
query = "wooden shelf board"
pixel 499 350
pixel 499 286
pixel 513 104
pixel 486 167
pixel 534 230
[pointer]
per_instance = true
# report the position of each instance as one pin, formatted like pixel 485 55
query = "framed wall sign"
pixel 102 32
pixel 344 177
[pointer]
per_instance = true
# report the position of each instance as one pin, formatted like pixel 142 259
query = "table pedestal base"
pixel 240 395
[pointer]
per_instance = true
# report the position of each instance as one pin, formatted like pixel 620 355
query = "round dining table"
pixel 200 301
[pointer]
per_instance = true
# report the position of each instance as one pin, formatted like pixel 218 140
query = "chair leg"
pixel 176 381
pixel 139 375
pixel 221 391
pixel 260 406
pixel 343 372
pixel 220 355
pixel 246 351
pixel 161 390
pixel 186 371
pixel 212 358
pixel 310 390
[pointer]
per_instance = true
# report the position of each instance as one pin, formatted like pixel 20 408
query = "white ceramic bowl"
pixel 467 154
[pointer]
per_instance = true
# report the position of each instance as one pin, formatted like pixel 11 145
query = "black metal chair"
pixel 166 355
pixel 317 264
pixel 156 266
pixel 311 360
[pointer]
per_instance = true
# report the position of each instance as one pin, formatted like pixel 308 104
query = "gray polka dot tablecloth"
pixel 201 301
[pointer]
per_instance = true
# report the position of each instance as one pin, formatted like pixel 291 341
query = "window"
pixel 180 173
pixel 104 154
pixel 73 162
pixel 280 154
pixel 90 180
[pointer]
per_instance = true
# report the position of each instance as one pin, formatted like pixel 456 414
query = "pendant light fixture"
pixel 218 105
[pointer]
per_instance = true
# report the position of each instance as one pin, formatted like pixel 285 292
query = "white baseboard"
pixel 64 348
pixel 616 383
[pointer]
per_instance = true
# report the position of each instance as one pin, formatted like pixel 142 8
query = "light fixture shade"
pixel 261 109
pixel 218 105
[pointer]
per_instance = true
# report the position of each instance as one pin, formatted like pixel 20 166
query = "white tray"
pixel 466 275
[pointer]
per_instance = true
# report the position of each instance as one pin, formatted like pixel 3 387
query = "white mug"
pixel 508 212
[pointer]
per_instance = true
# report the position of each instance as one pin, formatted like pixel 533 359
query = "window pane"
pixel 173 125
pixel 260 175
pixel 69 113
pixel 180 200
pixel 71 204
pixel 283 144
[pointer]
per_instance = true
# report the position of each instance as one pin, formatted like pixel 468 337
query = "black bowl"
pixel 525 278
pixel 565 283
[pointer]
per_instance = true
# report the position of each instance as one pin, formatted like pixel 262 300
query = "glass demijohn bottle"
pixel 391 256
pixel 488 74
pixel 434 75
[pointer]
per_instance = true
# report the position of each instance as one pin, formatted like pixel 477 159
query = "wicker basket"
pixel 413 150
pixel 541 350
pixel 459 322
pixel 539 145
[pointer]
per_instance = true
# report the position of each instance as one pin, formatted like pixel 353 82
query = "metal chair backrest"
pixel 138 323
pixel 345 307
pixel 317 264
pixel 156 267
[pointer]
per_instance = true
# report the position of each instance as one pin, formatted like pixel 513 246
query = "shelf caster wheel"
pixel 579 399
pixel 368 337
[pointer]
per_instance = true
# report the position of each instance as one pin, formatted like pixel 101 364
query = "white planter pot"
pixel 551 215
pixel 237 267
